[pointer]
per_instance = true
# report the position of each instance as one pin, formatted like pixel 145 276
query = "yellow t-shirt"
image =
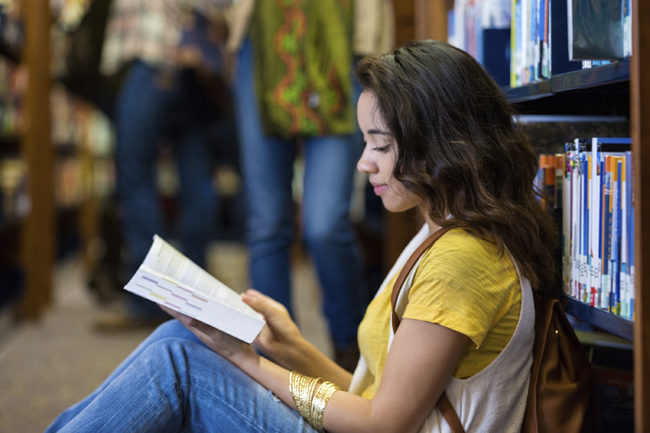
pixel 461 283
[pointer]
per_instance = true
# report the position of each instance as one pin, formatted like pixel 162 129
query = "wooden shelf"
pixel 601 319
pixel 9 52
pixel 530 92
pixel 619 89
pixel 599 77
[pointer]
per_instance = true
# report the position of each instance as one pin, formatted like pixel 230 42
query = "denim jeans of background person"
pixel 169 373
pixel 267 167
pixel 151 106
pixel 168 47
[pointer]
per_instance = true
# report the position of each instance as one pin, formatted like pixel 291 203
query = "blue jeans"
pixel 172 382
pixel 267 167
pixel 148 110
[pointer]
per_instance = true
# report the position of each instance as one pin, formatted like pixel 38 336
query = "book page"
pixel 171 264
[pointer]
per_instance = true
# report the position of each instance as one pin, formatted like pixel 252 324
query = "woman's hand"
pixel 280 339
pixel 225 345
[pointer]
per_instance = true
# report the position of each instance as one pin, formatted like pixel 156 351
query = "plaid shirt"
pixel 150 30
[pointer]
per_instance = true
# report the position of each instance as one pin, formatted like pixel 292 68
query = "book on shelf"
pixel 520 42
pixel 539 41
pixel 169 278
pixel 597 227
pixel 482 29
pixel 596 29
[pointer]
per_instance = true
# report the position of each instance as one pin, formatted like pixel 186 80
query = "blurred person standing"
pixel 293 87
pixel 170 49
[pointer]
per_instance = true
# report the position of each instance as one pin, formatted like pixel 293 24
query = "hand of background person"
pixel 280 338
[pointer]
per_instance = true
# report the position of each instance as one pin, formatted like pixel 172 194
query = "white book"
pixel 566 224
pixel 575 224
pixel 169 278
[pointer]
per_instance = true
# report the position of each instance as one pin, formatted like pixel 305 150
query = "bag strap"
pixel 444 405
pixel 397 288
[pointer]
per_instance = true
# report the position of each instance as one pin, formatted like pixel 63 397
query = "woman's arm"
pixel 281 341
pixel 421 361
pixel 422 358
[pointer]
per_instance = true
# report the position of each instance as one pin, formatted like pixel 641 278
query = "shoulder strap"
pixel 444 405
pixel 407 269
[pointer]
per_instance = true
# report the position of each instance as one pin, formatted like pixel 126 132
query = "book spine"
pixel 616 234
pixel 622 243
pixel 591 261
pixel 632 243
pixel 513 42
pixel 629 233
pixel 569 11
pixel 600 191
pixel 575 225
pixel 607 224
pixel 584 233
pixel 566 222
pixel 594 196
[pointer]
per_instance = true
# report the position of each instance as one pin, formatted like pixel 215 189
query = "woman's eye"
pixel 382 149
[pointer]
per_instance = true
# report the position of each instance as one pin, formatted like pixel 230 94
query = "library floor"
pixel 51 364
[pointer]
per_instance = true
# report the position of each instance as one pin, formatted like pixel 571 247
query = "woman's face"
pixel 379 155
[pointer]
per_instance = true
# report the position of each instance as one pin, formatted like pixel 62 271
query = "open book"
pixel 169 278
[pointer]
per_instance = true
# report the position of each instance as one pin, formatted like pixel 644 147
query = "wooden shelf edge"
pixel 598 76
pixel 592 77
pixel 529 92
pixel 604 320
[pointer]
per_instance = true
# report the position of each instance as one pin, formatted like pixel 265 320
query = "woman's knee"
pixel 174 329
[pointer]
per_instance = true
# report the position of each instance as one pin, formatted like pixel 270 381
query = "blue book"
pixel 632 243
pixel 518 55
pixel 451 26
pixel 541 22
pixel 616 234
pixel 495 49
pixel 559 40
pixel 604 304
pixel 607 228
pixel 600 148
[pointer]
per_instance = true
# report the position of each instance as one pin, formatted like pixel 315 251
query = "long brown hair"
pixel 459 149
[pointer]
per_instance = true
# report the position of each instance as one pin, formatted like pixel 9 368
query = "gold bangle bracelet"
pixel 319 403
pixel 301 388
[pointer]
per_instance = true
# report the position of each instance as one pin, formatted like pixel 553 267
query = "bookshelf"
pixel 600 78
pixel 56 139
pixel 37 231
pixel 604 320
pixel 622 88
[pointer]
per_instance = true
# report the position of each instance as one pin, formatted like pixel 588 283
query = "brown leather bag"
pixel 559 394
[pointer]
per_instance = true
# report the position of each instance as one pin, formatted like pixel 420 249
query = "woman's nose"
pixel 366 164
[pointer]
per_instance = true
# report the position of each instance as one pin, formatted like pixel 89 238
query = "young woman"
pixel 439 137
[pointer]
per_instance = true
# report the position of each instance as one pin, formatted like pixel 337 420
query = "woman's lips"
pixel 380 188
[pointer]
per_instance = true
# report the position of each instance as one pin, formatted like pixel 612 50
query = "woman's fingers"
pixel 261 303
pixel 188 321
